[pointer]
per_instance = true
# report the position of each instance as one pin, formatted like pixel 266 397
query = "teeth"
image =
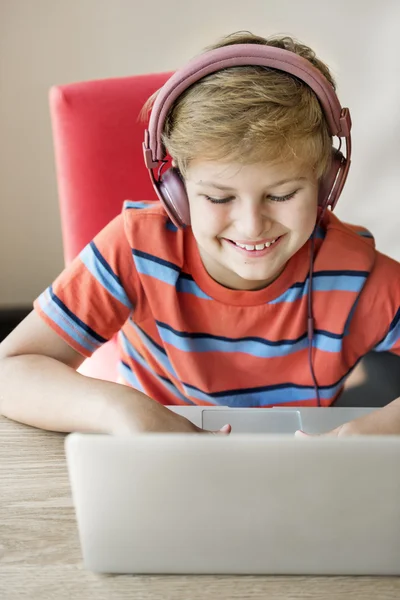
pixel 256 247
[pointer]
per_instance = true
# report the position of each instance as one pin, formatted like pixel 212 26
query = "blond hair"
pixel 250 114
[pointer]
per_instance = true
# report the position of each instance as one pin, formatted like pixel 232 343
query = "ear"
pixel 175 166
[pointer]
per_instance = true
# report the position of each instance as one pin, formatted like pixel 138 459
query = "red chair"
pixel 99 163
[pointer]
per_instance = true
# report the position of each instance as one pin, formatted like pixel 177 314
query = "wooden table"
pixel 40 555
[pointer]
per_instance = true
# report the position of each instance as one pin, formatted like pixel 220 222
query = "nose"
pixel 252 222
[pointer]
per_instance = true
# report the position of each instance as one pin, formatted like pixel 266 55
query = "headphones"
pixel 170 187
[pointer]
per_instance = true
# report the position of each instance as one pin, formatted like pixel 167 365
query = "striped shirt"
pixel 185 339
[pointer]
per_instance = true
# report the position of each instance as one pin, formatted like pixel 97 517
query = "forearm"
pixel 45 393
pixel 386 421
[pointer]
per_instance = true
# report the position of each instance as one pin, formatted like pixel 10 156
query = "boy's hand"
pixel 385 421
pixel 338 432
pixel 139 414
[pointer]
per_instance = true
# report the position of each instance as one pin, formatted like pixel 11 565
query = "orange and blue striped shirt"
pixel 185 339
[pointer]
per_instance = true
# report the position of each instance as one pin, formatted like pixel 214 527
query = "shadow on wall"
pixel 376 381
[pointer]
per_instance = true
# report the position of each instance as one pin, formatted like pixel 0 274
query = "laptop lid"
pixel 176 503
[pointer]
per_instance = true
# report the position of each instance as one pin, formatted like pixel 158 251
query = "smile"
pixel 257 246
pixel 255 250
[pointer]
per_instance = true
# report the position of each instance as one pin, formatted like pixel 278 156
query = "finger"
pixel 225 430
pixel 332 433
pixel 301 434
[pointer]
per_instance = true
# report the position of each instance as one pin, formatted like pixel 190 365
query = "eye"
pixel 219 200
pixel 273 198
pixel 283 198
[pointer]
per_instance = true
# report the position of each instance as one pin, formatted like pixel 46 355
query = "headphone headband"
pixel 234 55
pixel 169 186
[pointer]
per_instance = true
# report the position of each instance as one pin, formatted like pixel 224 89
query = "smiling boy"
pixel 264 299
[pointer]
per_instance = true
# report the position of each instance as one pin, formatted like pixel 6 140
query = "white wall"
pixel 46 42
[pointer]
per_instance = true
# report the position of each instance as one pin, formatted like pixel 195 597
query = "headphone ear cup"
pixel 332 182
pixel 172 193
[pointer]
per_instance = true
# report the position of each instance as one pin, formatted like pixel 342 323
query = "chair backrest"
pixel 98 152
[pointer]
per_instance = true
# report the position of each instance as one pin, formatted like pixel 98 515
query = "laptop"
pixel 261 502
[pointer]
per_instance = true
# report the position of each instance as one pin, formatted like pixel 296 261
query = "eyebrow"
pixel 227 188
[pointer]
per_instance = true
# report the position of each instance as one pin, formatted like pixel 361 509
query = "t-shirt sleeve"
pixel 93 297
pixel 391 341
pixel 387 311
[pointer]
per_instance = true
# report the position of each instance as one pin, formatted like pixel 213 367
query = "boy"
pixel 223 311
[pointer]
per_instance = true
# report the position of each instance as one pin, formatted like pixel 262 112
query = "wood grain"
pixel 40 555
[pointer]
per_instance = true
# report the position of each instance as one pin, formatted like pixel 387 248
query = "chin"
pixel 257 277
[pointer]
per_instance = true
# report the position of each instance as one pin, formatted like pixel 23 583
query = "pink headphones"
pixel 169 186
